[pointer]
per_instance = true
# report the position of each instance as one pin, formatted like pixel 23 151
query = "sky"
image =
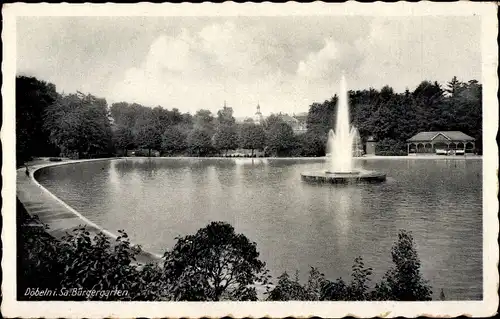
pixel 282 63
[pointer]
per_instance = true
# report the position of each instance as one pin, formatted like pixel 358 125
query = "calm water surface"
pixel 295 225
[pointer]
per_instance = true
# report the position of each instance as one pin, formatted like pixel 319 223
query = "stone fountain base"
pixel 355 177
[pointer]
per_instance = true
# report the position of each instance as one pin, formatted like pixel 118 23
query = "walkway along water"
pixel 59 216
pixel 62 218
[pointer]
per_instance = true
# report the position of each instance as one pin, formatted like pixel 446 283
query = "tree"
pixel 123 138
pixel 271 121
pixel 125 114
pixel 453 86
pixel 81 260
pixel 225 116
pixel 288 289
pixel 199 142
pixel 313 143
pixel 204 120
pixel 358 288
pixel 80 123
pixel 33 97
pixel 442 297
pixel 148 130
pixel 429 93
pixel 335 290
pixel 386 93
pixel 393 117
pixel 174 140
pixel 252 137
pixel 403 281
pixel 280 138
pixel 315 284
pixel 94 263
pixel 321 117
pixel 226 137
pixel 214 264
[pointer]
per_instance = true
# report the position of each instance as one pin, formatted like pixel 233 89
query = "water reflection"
pixel 295 225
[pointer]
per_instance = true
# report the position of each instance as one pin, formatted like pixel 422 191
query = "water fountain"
pixel 340 162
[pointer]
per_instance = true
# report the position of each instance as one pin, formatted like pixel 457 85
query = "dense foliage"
pixel 33 97
pixel 79 124
pixel 402 282
pixel 82 125
pixel 392 117
pixel 82 261
pixel 213 264
pixel 252 137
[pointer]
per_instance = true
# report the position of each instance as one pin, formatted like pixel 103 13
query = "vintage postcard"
pixel 250 160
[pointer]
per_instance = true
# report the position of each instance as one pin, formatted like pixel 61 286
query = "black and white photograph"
pixel 250 160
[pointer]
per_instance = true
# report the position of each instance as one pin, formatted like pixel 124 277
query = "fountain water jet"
pixel 340 143
pixel 340 147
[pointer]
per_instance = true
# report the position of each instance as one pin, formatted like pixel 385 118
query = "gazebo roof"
pixel 450 135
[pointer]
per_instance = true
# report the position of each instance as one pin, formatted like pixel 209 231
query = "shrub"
pixel 403 281
pixel 390 147
pixel 214 264
pixel 80 260
pixel 288 289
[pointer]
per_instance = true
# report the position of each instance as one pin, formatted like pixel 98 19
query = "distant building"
pixel 371 144
pixel 258 118
pixel 301 123
pixel 441 142
pixel 298 122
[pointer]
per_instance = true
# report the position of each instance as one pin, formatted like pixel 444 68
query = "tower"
pixel 258 116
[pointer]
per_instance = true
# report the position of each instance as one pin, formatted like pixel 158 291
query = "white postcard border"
pixel 486 307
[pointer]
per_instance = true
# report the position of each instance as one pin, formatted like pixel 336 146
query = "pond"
pixel 295 225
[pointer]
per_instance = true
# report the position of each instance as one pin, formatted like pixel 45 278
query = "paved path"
pixel 60 217
pixel 423 157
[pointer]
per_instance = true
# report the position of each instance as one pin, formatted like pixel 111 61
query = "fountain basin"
pixel 343 173
pixel 355 177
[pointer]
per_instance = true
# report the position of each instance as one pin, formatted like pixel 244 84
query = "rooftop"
pixel 450 135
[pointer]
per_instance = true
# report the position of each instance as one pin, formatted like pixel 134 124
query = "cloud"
pixel 333 59
pixel 402 52
pixel 283 63
pixel 217 63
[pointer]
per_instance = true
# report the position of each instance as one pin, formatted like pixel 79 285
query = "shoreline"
pixel 62 218
pixel 371 157
pixel 58 215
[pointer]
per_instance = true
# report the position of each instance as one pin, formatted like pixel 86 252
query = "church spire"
pixel 258 115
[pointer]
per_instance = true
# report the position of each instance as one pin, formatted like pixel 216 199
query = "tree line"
pixel 392 118
pixel 214 264
pixel 81 125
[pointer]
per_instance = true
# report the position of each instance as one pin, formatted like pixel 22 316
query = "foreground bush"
pixel 80 263
pixel 402 282
pixel 214 264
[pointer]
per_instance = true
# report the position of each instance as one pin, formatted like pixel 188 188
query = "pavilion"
pixel 441 142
